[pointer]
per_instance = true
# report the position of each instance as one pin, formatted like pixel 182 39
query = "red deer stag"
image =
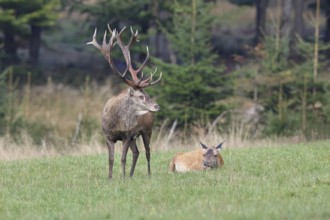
pixel 200 159
pixel 129 114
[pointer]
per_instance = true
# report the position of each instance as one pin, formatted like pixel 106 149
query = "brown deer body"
pixel 200 159
pixel 123 120
pixel 127 115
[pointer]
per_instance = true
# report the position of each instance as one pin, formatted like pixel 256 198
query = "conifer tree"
pixel 22 18
pixel 191 83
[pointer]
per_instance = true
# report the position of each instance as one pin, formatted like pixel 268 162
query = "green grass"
pixel 285 182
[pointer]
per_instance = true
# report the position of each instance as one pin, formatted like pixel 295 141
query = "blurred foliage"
pixel 243 2
pixel 17 13
pixel 122 12
pixel 136 13
pixel 195 86
pixel 12 119
pixel 2 100
pixel 284 85
pixel 18 22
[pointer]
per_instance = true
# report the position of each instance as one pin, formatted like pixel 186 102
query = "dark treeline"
pixel 273 77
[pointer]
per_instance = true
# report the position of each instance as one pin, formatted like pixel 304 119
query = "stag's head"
pixel 141 101
pixel 211 156
pixel 136 80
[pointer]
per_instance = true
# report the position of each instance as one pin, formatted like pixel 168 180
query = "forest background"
pixel 238 70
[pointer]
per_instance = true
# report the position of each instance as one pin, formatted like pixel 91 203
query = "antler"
pixel 106 49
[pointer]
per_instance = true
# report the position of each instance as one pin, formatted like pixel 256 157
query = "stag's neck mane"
pixel 123 113
pixel 129 113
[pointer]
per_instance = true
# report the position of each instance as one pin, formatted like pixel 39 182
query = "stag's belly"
pixel 116 135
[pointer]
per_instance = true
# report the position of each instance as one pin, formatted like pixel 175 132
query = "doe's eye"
pixel 141 97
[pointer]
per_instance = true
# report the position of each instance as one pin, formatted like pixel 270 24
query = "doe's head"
pixel 211 156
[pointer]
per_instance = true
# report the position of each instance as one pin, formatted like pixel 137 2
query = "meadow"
pixel 285 181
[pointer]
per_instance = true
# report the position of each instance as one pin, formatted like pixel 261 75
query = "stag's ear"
pixel 219 147
pixel 130 91
pixel 204 146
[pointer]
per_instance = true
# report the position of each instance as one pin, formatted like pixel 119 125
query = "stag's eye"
pixel 141 97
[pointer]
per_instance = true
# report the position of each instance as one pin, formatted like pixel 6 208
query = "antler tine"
pixel 136 32
pixel 145 61
pixel 113 35
pixel 110 31
pixel 122 30
pixel 94 42
pixel 148 82
pixel 133 37
pixel 104 43
pixel 160 76
pixel 141 77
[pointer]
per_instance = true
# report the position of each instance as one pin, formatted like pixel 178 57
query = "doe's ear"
pixel 219 147
pixel 203 146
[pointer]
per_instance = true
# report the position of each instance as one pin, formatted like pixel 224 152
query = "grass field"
pixel 284 182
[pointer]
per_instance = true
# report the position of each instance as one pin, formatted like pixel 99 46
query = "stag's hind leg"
pixel 136 153
pixel 111 149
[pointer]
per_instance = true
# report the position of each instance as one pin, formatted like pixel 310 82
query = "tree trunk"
pixel 327 32
pixel 316 44
pixel 327 27
pixel 299 26
pixel 10 48
pixel 34 45
pixel 153 37
pixel 261 7
pixel 286 19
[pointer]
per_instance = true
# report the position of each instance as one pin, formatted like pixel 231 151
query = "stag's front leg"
pixel 111 149
pixel 126 145
pixel 136 153
pixel 146 141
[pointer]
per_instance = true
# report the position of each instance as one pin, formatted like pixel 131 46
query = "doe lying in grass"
pixel 200 159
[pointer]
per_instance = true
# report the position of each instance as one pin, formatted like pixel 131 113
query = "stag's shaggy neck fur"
pixel 124 116
pixel 121 113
